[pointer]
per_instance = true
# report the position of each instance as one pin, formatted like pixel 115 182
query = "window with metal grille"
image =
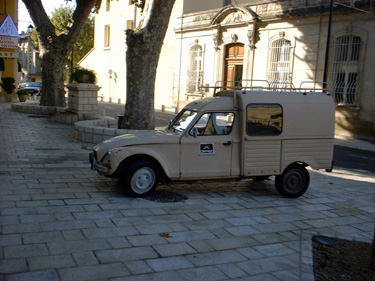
pixel 195 69
pixel 279 54
pixel 344 70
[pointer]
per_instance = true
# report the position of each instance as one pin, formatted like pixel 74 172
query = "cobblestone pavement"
pixel 61 221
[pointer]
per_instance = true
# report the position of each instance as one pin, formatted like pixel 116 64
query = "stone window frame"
pixel 342 85
pixel 273 63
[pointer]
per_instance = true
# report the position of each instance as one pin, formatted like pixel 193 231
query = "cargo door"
pixel 262 143
pixel 262 157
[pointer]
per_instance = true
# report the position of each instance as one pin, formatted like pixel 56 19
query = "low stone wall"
pixel 87 128
pixel 96 131
pixel 35 108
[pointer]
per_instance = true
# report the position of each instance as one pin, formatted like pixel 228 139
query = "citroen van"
pixel 233 135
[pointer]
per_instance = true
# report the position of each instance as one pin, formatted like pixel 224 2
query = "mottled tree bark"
pixel 144 46
pixel 54 49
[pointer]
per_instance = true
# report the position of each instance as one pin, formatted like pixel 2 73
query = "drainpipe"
pixel 325 73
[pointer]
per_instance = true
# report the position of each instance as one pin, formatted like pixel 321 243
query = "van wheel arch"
pixel 294 180
pixel 132 164
pixel 125 164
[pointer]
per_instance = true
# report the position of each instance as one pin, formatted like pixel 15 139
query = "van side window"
pixel 264 119
pixel 211 124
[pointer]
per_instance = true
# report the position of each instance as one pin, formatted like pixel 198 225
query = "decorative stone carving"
pixel 234 38
pixel 236 17
pixel 250 36
pixel 216 37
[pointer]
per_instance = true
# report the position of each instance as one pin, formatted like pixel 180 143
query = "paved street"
pixel 61 221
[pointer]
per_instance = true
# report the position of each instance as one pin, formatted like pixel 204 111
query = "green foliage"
pixel 85 41
pixel 60 18
pixel 34 38
pixel 7 83
pixel 23 92
pixel 83 75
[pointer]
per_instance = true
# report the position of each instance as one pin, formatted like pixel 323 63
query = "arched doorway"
pixel 234 56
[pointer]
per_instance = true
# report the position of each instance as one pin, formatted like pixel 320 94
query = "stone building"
pixel 28 58
pixel 278 44
pixel 282 45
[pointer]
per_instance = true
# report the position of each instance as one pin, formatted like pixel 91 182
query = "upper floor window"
pixel 130 24
pixel 279 70
pixel 108 5
pixel 344 69
pixel 195 69
pixel 107 36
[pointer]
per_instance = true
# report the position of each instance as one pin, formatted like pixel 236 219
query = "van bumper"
pixel 96 166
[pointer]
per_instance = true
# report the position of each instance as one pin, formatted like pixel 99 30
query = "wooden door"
pixel 234 54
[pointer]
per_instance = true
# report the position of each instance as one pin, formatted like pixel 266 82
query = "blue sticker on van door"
pixel 206 149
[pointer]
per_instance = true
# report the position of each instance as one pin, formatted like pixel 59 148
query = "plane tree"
pixel 54 47
pixel 144 45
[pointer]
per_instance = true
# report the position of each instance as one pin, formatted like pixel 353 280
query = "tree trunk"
pixel 53 67
pixel 144 46
pixel 54 49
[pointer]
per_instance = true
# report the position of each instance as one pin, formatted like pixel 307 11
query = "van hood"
pixel 137 137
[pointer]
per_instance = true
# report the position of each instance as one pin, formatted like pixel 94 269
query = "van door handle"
pixel 227 143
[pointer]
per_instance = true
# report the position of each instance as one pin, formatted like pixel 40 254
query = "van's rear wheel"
pixel 140 178
pixel 293 182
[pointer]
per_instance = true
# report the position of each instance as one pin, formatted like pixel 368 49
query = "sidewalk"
pixel 359 144
pixel 61 221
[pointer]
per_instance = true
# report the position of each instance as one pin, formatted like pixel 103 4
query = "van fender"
pixel 121 154
pixel 294 163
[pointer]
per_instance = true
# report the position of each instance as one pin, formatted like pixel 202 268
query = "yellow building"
pixel 8 39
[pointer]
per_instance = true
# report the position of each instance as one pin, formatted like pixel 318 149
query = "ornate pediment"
pixel 236 17
pixel 233 15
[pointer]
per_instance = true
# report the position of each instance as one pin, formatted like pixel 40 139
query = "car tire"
pixel 140 178
pixel 293 182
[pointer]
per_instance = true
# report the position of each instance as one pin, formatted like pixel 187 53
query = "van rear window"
pixel 264 119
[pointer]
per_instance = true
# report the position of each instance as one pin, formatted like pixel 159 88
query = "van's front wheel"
pixel 293 182
pixel 140 179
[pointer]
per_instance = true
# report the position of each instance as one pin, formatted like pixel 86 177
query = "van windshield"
pixel 182 121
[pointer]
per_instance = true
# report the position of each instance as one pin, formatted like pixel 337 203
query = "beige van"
pixel 233 135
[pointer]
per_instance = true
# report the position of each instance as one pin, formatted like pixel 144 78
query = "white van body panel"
pixel 250 134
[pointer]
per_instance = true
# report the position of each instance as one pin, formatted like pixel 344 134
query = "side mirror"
pixel 194 132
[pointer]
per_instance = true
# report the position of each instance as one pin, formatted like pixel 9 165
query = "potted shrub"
pixel 83 75
pixel 23 95
pixel 7 84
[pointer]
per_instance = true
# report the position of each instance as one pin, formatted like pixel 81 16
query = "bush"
pixel 7 83
pixel 83 75
pixel 23 92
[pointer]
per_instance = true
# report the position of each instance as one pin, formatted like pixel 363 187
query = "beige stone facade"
pixel 254 43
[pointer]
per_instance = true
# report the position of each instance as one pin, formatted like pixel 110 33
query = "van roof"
pixel 224 100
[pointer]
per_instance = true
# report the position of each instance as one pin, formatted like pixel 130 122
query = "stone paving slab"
pixel 61 221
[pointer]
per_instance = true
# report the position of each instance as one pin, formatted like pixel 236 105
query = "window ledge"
pixel 107 48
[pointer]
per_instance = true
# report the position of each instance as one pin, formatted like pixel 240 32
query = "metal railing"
pixel 262 85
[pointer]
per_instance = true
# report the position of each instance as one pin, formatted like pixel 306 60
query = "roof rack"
pixel 264 85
